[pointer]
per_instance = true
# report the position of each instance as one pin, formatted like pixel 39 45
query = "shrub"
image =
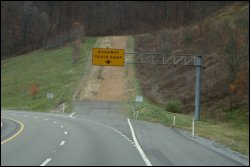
pixel 174 106
pixel 187 38
pixel 34 89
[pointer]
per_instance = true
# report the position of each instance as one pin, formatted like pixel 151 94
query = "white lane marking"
pixel 71 115
pixel 65 132
pixel 62 143
pixel 46 119
pixel 36 117
pixel 45 162
pixel 127 138
pixel 66 116
pixel 138 146
pixel 55 122
pixel 117 131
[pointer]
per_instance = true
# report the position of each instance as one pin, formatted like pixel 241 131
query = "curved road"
pixel 49 139
pixel 98 133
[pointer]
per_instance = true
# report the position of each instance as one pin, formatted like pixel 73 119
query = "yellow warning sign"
pixel 108 57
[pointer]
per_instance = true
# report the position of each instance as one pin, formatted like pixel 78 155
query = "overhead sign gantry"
pixel 172 59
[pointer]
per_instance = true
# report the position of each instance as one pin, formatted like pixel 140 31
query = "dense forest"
pixel 29 25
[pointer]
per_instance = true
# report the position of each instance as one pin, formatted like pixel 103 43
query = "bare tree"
pixel 77 36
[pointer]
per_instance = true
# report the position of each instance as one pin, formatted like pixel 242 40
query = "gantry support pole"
pixel 198 68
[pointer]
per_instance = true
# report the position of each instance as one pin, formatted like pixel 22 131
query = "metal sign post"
pixel 172 59
pixel 138 101
pixel 198 67
pixel 50 95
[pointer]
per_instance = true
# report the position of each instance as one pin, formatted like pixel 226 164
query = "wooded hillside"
pixel 29 25
pixel 222 39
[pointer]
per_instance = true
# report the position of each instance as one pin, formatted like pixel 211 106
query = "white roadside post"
pixel 174 121
pixel 193 127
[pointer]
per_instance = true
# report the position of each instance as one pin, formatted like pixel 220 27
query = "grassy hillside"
pixel 223 41
pixel 51 70
pixel 233 133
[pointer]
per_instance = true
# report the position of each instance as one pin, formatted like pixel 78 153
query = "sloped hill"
pixel 223 41
pixel 44 72
pixel 104 83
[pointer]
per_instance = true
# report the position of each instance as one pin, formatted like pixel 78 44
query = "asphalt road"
pixel 48 139
pixel 98 133
pixel 166 146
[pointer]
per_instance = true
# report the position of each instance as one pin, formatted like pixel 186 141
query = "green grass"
pixel 52 70
pixel 230 134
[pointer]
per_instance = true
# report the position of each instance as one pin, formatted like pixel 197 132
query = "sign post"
pixel 108 57
pixel 50 95
pixel 138 100
pixel 173 59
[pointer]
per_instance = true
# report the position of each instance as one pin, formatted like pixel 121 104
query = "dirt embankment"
pixel 104 83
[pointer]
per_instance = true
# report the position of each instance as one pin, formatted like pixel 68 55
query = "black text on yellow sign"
pixel 108 57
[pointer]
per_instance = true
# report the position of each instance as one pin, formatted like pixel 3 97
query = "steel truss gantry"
pixel 171 59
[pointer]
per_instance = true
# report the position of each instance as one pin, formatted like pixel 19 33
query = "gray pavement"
pixel 99 134
pixel 166 146
pixel 62 140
